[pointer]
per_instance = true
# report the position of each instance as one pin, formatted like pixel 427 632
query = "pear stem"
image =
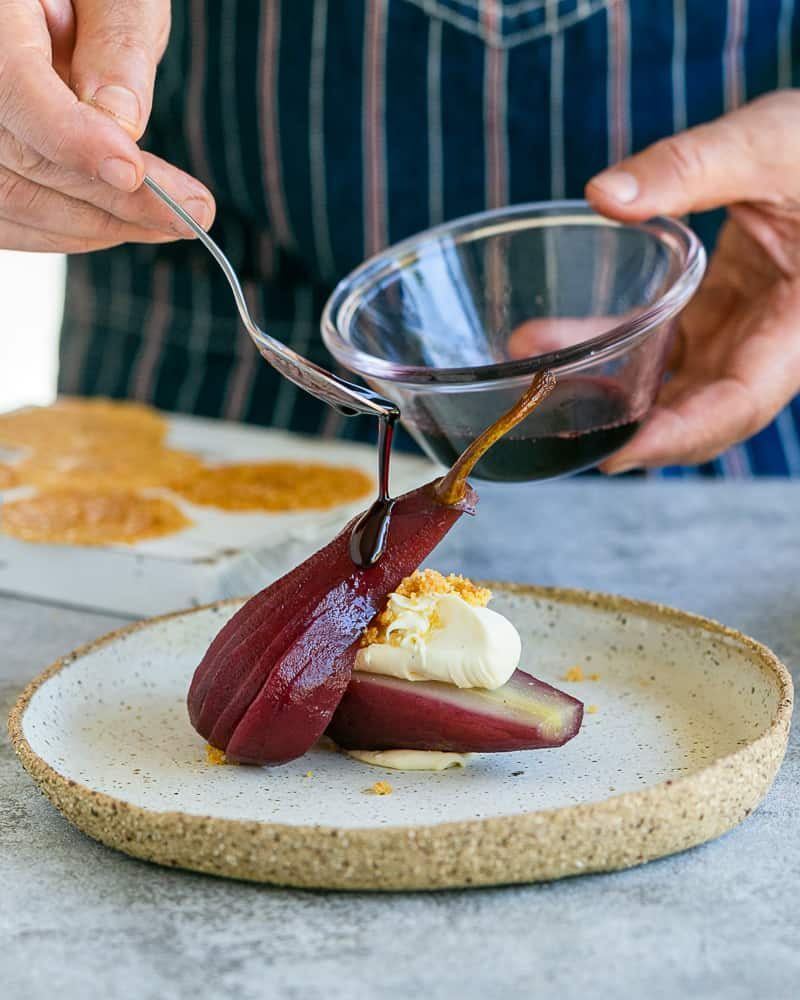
pixel 452 487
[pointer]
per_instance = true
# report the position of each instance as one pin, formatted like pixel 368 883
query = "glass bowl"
pixel 451 325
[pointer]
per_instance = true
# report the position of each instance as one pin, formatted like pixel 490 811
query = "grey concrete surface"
pixel 720 922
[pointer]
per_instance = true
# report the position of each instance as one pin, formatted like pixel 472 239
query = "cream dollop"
pixel 441 637
pixel 411 760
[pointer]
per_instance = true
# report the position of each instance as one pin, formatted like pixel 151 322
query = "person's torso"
pixel 328 130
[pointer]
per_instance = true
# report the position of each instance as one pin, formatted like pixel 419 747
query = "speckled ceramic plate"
pixel 690 727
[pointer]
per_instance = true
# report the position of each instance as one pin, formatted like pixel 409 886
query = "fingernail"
pixel 617 184
pixel 200 211
pixel 119 102
pixel 118 173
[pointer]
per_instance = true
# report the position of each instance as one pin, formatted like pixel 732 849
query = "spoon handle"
pixel 344 396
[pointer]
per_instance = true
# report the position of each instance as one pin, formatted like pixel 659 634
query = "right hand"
pixel 76 87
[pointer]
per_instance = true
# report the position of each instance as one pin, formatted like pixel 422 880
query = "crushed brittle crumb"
pixel 594 677
pixel 591 709
pixel 429 582
pixel 380 788
pixel 426 583
pixel 216 756
pixel 575 674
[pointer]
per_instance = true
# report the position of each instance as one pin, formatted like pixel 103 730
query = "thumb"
pixel 117 49
pixel 747 154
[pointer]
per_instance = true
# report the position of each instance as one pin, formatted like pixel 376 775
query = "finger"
pixel 710 407
pixel 697 425
pixel 44 114
pixel 60 19
pixel 541 336
pixel 38 107
pixel 117 48
pixel 42 208
pixel 144 208
pixel 749 154
pixel 691 429
pixel 143 205
pixel 710 311
pixel 14 236
pixel 139 207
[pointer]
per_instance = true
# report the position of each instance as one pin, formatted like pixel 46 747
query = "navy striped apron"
pixel 329 129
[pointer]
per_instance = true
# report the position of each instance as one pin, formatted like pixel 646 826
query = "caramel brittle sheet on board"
pixel 89 460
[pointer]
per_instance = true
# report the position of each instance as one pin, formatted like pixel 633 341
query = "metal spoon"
pixel 343 396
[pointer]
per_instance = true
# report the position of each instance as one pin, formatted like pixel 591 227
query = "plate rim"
pixel 448 854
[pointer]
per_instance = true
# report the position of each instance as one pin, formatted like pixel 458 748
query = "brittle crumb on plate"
pixel 380 788
pixel 216 756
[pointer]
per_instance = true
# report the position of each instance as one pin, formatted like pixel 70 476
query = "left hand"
pixel 76 88
pixel 737 358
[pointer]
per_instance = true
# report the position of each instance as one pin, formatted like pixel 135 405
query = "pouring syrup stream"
pixel 368 539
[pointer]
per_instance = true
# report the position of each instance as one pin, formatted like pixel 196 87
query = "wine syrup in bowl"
pixel 577 429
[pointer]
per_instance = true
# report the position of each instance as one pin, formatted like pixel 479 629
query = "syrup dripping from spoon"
pixel 368 540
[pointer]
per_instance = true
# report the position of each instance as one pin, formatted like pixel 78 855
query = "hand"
pixel 737 359
pixel 76 86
